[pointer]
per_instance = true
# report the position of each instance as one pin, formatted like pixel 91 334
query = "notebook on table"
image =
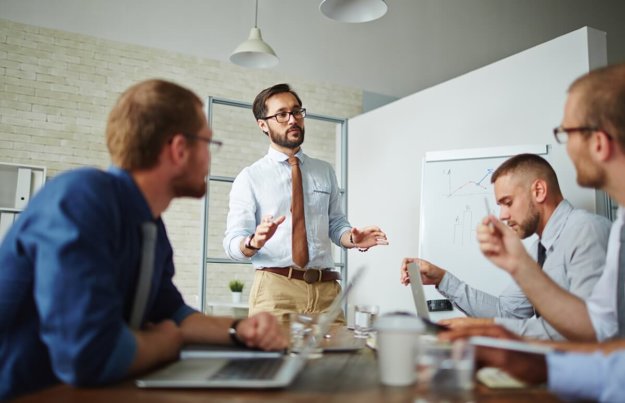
pixel 243 371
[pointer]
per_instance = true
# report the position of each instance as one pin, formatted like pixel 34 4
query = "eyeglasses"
pixel 215 145
pixel 283 117
pixel 562 133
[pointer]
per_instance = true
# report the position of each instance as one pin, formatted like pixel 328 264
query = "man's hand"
pixel 491 330
pixel 262 331
pixel 368 237
pixel 430 274
pixel 502 246
pixel 457 323
pixel 527 367
pixel 265 230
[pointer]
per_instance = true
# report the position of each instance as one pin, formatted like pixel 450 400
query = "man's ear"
pixel 263 126
pixel 602 145
pixel 539 190
pixel 178 150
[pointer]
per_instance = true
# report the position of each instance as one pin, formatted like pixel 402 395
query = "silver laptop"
pixel 244 372
pixel 418 295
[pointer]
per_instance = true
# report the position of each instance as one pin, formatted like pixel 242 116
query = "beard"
pixel 529 225
pixel 186 188
pixel 188 184
pixel 590 176
pixel 282 139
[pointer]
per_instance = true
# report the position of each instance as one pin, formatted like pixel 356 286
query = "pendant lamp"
pixel 353 10
pixel 254 52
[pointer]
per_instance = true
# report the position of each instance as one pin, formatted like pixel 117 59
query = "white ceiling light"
pixel 254 52
pixel 353 10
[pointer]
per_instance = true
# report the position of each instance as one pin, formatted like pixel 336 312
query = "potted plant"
pixel 236 287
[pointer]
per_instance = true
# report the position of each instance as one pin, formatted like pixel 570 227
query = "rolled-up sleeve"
pixel 338 222
pixel 241 220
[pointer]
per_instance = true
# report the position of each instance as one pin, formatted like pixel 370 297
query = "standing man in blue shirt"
pixel 260 220
pixel 70 266
pixel 593 128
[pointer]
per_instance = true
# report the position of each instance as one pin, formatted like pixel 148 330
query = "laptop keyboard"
pixel 256 368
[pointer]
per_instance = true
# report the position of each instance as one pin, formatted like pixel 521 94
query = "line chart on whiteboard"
pixel 471 187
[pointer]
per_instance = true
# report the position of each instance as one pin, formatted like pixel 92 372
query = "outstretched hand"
pixel 368 237
pixel 266 229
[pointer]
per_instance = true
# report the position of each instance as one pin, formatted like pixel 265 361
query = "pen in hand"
pixel 488 211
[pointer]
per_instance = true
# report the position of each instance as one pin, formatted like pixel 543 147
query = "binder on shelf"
pixel 6 220
pixel 22 191
pixel 37 181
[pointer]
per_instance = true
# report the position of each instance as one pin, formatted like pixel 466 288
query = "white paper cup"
pixel 397 343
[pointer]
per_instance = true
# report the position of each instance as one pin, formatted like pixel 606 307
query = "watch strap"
pixel 248 242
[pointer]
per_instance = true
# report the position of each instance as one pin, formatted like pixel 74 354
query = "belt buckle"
pixel 312 275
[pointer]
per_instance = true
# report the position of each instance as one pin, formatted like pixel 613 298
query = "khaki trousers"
pixel 281 295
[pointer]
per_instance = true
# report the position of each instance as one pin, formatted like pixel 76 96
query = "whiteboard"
pixel 454 185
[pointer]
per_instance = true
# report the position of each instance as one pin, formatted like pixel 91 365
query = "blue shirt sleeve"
pixel 76 289
pixel 587 376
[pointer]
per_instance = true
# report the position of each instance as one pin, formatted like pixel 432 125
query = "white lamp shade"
pixel 353 10
pixel 254 52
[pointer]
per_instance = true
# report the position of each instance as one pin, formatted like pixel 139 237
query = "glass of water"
pixel 305 334
pixel 364 318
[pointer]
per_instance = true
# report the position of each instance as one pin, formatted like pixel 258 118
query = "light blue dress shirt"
pixel 587 376
pixel 602 302
pixel 264 188
pixel 576 243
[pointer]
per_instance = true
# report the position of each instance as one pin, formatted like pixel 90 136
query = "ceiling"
pixel 417 44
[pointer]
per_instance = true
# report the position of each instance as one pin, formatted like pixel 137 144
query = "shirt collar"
pixel 134 195
pixel 278 156
pixel 556 222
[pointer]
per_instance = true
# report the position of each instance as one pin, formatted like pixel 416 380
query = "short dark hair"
pixel 259 109
pixel 602 94
pixel 531 165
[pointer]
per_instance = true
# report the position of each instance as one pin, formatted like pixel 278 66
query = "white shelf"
pixel 18 184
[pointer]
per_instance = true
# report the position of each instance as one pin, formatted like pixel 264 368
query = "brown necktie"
pixel 299 242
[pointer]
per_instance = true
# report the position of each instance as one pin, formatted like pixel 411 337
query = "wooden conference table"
pixel 336 377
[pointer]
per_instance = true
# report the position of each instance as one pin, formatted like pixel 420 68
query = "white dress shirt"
pixel 602 302
pixel 264 188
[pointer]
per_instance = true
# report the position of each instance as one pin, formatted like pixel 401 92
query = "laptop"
pixel 236 371
pixel 418 295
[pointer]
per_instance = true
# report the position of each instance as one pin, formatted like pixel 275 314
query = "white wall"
pixel 515 101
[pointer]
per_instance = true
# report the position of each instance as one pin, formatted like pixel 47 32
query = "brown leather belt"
pixel 308 275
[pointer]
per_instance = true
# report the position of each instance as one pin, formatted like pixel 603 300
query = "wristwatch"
pixel 232 332
pixel 248 242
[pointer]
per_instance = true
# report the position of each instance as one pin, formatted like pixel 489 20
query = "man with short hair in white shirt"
pixel 259 225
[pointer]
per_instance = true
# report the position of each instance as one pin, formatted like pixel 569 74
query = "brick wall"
pixel 57 88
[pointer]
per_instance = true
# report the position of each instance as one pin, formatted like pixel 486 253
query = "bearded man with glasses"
pixel 285 210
